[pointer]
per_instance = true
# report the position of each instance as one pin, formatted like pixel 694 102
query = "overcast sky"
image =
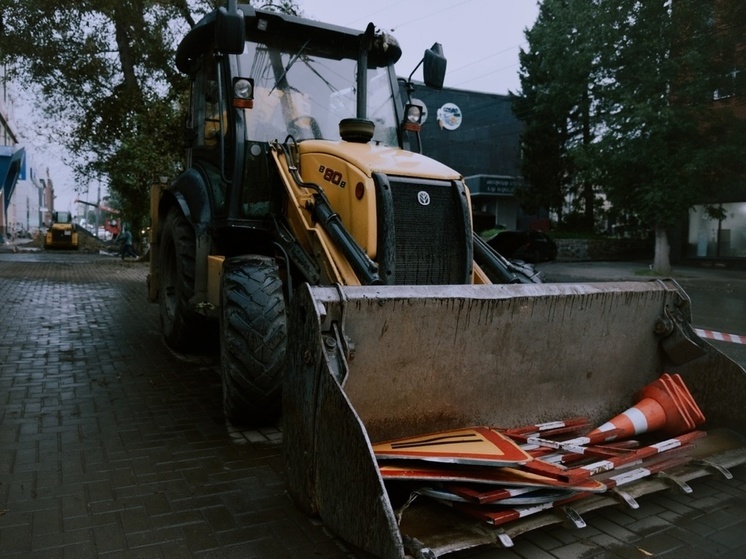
pixel 480 38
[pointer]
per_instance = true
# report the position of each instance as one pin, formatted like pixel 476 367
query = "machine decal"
pixel 332 176
pixel 423 198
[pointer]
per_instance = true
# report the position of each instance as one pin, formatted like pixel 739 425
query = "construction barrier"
pixel 720 336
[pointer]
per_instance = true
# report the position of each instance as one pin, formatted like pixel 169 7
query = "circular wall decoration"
pixel 449 116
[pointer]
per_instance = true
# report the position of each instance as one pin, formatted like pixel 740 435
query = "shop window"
pixel 717 231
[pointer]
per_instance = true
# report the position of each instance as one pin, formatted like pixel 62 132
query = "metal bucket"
pixel 368 364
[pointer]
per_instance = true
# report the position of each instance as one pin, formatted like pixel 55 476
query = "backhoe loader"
pixel 298 172
pixel 351 294
pixel 62 232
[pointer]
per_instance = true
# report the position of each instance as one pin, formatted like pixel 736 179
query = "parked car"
pixel 529 246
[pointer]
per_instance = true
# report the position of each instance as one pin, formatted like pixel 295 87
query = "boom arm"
pixel 99 206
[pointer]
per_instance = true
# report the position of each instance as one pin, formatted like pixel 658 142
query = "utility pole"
pixel 98 207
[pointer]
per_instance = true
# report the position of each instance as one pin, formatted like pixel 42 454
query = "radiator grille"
pixel 61 235
pixel 430 244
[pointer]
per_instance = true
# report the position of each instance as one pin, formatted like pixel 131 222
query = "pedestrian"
pixel 127 248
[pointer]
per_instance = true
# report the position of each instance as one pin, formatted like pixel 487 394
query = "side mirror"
pixel 434 67
pixel 230 29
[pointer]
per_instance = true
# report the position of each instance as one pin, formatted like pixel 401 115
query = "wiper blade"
pixel 290 65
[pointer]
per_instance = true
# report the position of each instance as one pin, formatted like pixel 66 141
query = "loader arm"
pixel 313 234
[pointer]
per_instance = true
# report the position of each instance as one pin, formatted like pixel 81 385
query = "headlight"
pixel 243 88
pixel 414 113
pixel 243 93
pixel 412 117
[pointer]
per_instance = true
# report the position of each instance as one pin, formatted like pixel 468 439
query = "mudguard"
pixel 189 192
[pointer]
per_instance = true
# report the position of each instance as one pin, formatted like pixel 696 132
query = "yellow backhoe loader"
pixel 62 232
pixel 351 293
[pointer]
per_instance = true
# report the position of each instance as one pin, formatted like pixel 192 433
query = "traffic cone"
pixel 665 404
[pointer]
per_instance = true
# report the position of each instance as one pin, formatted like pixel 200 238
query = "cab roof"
pixel 273 27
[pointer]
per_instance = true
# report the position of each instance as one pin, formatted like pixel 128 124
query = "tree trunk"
pixel 661 260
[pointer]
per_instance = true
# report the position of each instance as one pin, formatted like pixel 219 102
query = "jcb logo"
pixel 332 176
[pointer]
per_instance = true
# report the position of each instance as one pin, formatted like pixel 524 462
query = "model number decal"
pixel 332 176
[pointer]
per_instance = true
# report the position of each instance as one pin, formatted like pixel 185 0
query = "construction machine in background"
pixel 62 232
pixel 350 291
pixel 110 223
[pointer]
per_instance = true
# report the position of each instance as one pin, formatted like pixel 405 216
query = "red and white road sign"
pixel 479 446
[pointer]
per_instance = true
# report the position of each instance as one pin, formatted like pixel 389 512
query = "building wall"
pixel 474 133
pixel 24 214
pixel 7 138
pixel 32 197
pixel 477 135
pixel 7 134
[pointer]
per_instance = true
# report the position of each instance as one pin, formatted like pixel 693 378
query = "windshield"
pixel 300 93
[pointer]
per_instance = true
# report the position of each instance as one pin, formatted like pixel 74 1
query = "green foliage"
pixel 105 71
pixel 574 234
pixel 667 145
pixel 618 97
pixel 556 103
pixel 489 233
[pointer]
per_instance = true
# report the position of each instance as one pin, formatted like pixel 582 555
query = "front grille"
pixel 61 236
pixel 425 232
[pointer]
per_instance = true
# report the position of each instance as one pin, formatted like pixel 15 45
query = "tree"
pixel 557 75
pixel 107 81
pixel 631 83
pixel 667 146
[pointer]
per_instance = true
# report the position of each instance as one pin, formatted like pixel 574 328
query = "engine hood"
pixel 371 158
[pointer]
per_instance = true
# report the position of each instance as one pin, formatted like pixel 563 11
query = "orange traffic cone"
pixel 664 404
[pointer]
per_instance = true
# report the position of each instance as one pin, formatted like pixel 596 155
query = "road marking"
pixel 720 336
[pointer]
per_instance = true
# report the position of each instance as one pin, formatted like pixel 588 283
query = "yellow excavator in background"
pixel 62 232
pixel 351 293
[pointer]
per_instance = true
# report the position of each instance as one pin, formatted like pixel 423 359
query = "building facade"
pixel 477 135
pixel 26 195
pixel 12 155
pixel 27 205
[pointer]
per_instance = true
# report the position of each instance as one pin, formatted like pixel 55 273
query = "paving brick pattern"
pixel 113 446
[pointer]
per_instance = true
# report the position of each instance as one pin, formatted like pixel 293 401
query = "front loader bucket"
pixel 371 364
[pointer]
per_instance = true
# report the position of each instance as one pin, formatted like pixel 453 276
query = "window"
pixel 731 85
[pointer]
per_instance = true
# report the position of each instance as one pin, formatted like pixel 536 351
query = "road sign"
pixel 473 445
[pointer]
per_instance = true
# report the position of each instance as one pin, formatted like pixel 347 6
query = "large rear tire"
pixel 183 329
pixel 253 338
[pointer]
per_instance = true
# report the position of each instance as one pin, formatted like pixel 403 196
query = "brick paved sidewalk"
pixel 112 446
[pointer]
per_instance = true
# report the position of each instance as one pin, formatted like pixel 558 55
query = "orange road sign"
pixel 508 477
pixel 472 445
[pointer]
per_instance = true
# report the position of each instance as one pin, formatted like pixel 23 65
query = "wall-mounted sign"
pixel 449 116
